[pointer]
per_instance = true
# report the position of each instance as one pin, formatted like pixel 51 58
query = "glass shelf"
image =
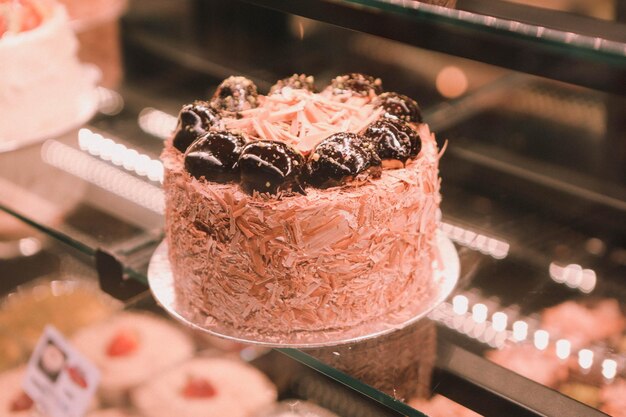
pixel 533 178
pixel 548 43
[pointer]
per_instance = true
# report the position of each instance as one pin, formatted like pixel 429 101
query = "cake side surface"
pixel 327 259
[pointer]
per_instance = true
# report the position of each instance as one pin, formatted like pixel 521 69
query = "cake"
pixel 68 305
pixel 541 366
pixel 440 406
pixel 300 211
pixel 296 408
pixel 14 402
pixel 613 398
pixel 206 387
pixel 584 323
pixel 129 348
pixel 44 89
pixel 111 412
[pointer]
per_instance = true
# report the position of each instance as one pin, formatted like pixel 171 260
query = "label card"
pixel 58 378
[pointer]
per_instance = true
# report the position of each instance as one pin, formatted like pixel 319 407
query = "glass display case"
pixel 527 98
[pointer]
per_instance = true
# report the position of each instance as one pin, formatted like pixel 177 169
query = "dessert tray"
pixel 445 276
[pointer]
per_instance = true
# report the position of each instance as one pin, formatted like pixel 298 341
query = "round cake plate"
pixel 445 277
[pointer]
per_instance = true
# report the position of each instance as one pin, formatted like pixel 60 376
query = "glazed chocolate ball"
pixel 339 158
pixel 194 120
pixel 393 140
pixel 214 156
pixel 235 94
pixel 269 167
pixel 357 83
pixel 296 81
pixel 399 106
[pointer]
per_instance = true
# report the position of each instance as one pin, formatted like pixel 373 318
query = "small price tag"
pixel 58 378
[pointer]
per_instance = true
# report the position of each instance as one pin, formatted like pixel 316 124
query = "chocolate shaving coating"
pixel 214 156
pixel 269 167
pixel 400 106
pixel 235 94
pixel 296 81
pixel 194 120
pixel 339 158
pixel 393 140
pixel 360 84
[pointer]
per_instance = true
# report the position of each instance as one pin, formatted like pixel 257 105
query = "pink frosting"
pixel 325 260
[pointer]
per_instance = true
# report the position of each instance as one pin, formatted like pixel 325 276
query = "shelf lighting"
pixel 120 155
pixel 460 304
pixel 479 313
pixel 520 330
pixel 495 248
pixel 585 358
pixel 499 321
pixel 541 339
pixel 563 348
pixel 574 276
pixel 609 368
pixel 156 122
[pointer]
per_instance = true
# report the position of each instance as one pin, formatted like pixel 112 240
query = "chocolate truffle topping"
pixel 393 140
pixel 400 106
pixel 296 81
pixel 339 158
pixel 360 84
pixel 235 94
pixel 269 167
pixel 214 156
pixel 194 120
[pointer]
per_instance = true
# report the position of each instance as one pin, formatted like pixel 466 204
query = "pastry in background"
pixel 540 366
pixel 206 387
pixel 129 348
pixel 44 88
pixel 584 323
pixel 440 406
pixel 296 408
pixel 97 27
pixel 613 397
pixel 14 402
pixel 67 305
pixel 112 412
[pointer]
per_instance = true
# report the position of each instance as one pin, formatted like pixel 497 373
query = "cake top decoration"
pixel 294 136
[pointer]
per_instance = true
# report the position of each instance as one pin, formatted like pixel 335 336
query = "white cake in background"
pixel 44 89
pixel 206 387
pixel 13 401
pixel 130 348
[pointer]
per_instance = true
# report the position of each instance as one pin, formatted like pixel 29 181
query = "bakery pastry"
pixel 206 387
pixel 68 305
pixel 440 406
pixel 301 211
pixel 111 412
pixel 296 408
pixel 43 87
pixel 14 402
pixel 584 323
pixel 613 397
pixel 540 366
pixel 129 348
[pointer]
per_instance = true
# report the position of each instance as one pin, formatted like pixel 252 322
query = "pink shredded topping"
pixel 302 118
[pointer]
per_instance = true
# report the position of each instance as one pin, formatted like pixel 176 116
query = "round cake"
pixel 206 387
pixel 301 211
pixel 129 348
pixel 44 89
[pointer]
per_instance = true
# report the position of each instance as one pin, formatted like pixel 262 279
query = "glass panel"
pixel 533 196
